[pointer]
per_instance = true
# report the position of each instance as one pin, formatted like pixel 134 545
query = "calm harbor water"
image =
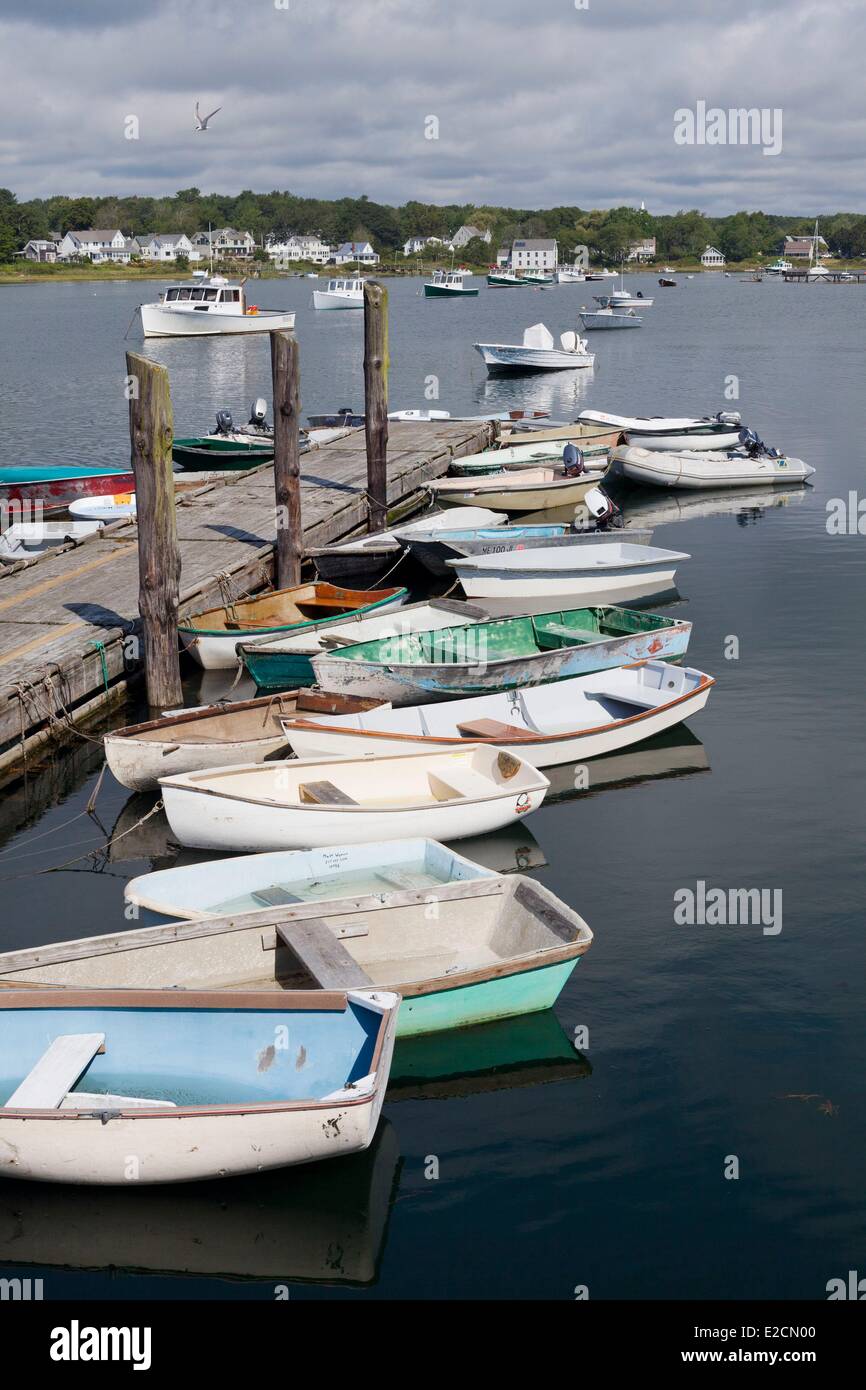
pixel 602 1167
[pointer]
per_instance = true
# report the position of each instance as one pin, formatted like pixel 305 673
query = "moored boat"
pixel 433 549
pixel 495 948
pixel 504 280
pixel 24 540
pixel 623 299
pixel 582 717
pixel 720 431
pixel 118 506
pixel 341 293
pixel 285 662
pixel 527 490
pixel 610 318
pixel 372 556
pixel 714 469
pixel 448 284
pixel 443 796
pixel 56 486
pixel 212 636
pixel 537 353
pixel 612 572
pixel 247 731
pixel 594 446
pixel 101 1086
pixel 501 654
pixel 293 879
pixel 209 308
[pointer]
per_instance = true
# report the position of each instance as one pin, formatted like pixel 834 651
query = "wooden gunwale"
pixel 256 1001
pixel 705 684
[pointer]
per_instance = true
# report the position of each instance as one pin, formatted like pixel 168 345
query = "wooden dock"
pixel 69 621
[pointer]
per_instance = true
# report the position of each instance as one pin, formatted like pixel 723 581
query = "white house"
pixel 97 244
pixel 38 250
pixel 416 245
pixel 534 253
pixel 299 248
pixel 643 250
pixel 360 251
pixel 712 259
pixel 226 242
pixel 167 246
pixel 468 233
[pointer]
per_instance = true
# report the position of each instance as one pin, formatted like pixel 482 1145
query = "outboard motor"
pixel 727 417
pixel 572 459
pixel 751 443
pixel 258 412
pixel 225 423
pixel 605 513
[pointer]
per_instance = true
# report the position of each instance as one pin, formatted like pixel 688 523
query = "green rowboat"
pixel 231 455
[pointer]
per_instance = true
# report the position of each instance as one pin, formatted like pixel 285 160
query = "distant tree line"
pixel 607 233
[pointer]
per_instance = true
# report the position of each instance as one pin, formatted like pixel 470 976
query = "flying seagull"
pixel 201 121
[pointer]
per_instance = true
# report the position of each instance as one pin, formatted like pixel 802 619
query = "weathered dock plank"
pixel 66 621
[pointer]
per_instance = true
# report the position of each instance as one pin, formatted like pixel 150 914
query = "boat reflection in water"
pixel 503 1056
pixel 511 850
pixel 312 1225
pixel 559 394
pixel 675 753
pixel 649 507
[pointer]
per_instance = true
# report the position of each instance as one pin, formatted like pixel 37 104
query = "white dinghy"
pixel 720 431
pixel 118 506
pixel 297 804
pixel 537 353
pixel 212 736
pixel 192 1084
pixel 608 573
pixel 373 555
pixel 24 540
pixel 714 469
pixel 289 878
pixel 564 722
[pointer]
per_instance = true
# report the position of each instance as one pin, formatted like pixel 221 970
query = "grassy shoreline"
pixel 45 274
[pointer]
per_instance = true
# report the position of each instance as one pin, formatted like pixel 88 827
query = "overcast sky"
pixel 538 102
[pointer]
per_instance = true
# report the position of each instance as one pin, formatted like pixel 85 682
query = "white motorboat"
pixel 341 293
pixel 601 274
pixel 304 802
pixel 585 574
pixel 779 267
pixel 24 540
pixel 713 469
pixel 561 722
pixel 623 299
pixel 537 353
pixel 610 318
pixel 721 431
pixel 209 307
pixel 571 275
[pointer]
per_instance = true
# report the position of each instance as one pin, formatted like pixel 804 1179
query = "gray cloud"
pixel 537 105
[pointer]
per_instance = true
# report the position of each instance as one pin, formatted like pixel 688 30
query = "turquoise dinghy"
pixel 464 953
pixel 249 882
pixel 140 1085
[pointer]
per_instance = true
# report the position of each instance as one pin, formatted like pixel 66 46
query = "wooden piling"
pixel 286 376
pixel 151 430
pixel 376 400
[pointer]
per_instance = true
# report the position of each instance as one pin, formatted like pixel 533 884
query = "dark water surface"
pixel 557 1168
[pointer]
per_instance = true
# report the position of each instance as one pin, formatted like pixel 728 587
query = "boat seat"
pixel 329 640
pixel 317 949
pixel 49 1081
pixel 97 1100
pixel 492 728
pixel 573 634
pixel 462 782
pixel 324 794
